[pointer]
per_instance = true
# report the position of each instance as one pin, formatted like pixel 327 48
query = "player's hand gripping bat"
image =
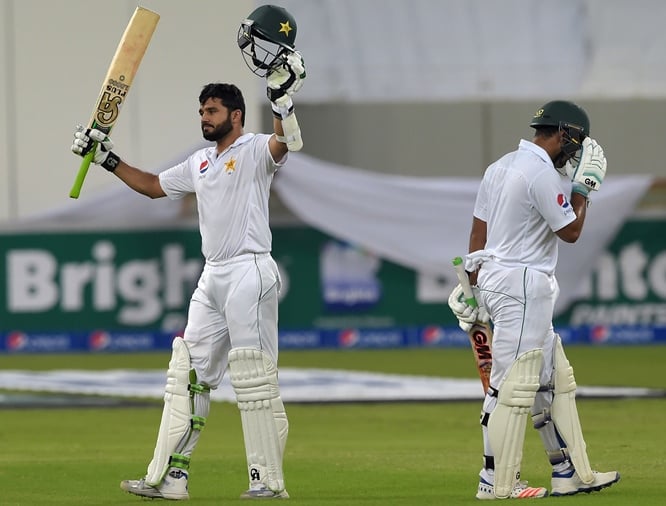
pixel 481 334
pixel 118 80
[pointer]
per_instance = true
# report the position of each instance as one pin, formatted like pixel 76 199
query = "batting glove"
pixel 467 315
pixel 591 169
pixel 287 79
pixel 85 140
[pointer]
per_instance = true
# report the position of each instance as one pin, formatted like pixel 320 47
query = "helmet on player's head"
pixel 569 118
pixel 266 38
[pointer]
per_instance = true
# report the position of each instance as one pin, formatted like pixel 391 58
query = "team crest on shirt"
pixel 230 166
pixel 562 201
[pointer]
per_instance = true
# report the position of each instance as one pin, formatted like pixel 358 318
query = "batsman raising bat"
pixel 528 200
pixel 233 313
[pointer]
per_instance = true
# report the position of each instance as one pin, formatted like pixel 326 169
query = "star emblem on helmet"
pixel 284 27
pixel 230 165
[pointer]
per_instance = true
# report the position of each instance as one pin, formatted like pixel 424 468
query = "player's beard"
pixel 219 132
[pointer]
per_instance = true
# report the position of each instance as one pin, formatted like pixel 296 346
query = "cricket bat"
pixel 481 334
pixel 118 81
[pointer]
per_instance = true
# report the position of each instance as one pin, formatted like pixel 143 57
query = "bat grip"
pixel 81 175
pixel 463 279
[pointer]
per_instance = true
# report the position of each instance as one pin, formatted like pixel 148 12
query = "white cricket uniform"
pixel 523 200
pixel 235 302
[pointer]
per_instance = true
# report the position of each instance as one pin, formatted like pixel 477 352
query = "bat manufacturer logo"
pixel 108 109
pixel 481 344
pixel 590 182
pixel 110 101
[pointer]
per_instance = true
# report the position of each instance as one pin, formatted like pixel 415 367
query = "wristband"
pixel 112 161
pixel 580 188
pixel 284 109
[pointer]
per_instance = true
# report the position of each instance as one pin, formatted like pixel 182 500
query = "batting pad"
pixel 565 414
pixel 506 424
pixel 176 416
pixel 254 379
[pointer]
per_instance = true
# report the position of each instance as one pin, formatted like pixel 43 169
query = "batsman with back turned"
pixel 233 313
pixel 527 201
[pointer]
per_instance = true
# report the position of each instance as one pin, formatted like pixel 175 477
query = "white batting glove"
pixel 287 79
pixel 591 169
pixel 466 314
pixel 86 140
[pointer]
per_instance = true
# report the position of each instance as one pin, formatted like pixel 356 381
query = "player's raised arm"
pixel 266 40
pixel 88 141
pixel 282 83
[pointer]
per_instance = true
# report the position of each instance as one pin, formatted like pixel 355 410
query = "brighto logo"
pixel 139 290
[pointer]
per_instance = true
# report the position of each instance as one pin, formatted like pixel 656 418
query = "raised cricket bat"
pixel 481 334
pixel 118 80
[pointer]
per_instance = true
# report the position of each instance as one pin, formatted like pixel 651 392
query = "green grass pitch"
pixel 338 454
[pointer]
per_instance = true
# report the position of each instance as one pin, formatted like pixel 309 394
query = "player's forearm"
pixel 477 241
pixel 579 204
pixel 141 182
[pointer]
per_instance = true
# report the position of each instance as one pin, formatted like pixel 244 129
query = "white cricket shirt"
pixel 523 200
pixel 232 192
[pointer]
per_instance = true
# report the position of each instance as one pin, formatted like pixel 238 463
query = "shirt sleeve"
pixel 550 199
pixel 481 204
pixel 177 181
pixel 263 154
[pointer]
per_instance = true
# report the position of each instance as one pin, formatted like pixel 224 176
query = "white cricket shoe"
pixel 173 486
pixel 264 493
pixel 568 482
pixel 520 491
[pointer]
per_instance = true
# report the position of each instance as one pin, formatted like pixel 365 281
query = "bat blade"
pixel 481 334
pixel 481 338
pixel 118 80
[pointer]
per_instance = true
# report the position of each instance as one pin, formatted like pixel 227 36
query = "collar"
pixel 537 150
pixel 212 151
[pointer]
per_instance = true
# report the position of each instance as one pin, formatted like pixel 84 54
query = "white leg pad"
pixel 254 379
pixel 565 414
pixel 507 422
pixel 176 415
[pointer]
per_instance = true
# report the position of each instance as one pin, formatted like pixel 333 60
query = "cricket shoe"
pixel 520 491
pixel 264 493
pixel 569 483
pixel 173 486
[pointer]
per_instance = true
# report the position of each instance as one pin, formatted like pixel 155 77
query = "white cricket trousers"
pixel 234 305
pixel 520 302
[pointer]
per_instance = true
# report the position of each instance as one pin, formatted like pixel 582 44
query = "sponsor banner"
pixel 71 342
pixel 129 291
pixel 627 288
pixel 430 336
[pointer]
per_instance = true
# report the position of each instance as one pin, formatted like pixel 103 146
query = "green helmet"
pixel 561 113
pixel 568 117
pixel 266 38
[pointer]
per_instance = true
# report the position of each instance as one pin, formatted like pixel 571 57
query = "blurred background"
pixel 404 106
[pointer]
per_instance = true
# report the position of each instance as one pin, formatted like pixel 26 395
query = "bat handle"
pixel 81 175
pixel 463 279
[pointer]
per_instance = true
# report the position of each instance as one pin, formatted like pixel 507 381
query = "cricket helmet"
pixel 569 118
pixel 266 37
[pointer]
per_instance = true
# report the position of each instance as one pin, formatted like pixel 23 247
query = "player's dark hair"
pixel 229 94
pixel 545 132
